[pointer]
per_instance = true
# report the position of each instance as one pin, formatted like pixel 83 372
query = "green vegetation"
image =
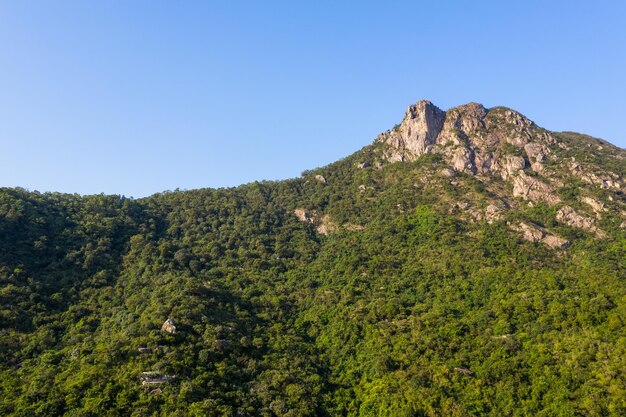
pixel 417 312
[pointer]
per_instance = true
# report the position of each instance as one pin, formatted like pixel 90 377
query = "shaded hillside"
pixel 467 262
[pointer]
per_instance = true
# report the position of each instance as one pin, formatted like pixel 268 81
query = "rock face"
pixel 510 165
pixel 471 138
pixel 417 132
pixel 533 190
pixel 536 153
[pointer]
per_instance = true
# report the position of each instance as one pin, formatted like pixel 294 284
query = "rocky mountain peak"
pixel 521 163
pixel 417 131
pixel 470 137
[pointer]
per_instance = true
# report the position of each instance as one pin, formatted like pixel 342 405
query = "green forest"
pixel 223 302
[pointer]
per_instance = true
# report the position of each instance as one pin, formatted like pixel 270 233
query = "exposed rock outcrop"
pixel 302 215
pixel 493 213
pixel 353 227
pixel 462 130
pixel 324 224
pixel 470 138
pixel 447 172
pixel 510 165
pixel 169 326
pixel 536 153
pixel 532 189
pixel 597 206
pixel 534 233
pixel 416 134
pixel 555 242
pixel 595 176
pixel 568 216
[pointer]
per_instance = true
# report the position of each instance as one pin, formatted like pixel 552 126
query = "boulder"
pixel 169 326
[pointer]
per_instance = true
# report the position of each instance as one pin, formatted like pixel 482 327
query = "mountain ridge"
pixel 371 286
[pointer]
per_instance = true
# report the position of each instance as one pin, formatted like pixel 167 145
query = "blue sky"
pixel 137 97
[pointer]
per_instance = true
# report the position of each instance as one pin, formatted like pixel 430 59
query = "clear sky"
pixel 137 97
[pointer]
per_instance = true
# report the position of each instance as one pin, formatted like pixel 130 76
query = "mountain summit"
pixel 465 263
pixel 470 137
pixel 501 143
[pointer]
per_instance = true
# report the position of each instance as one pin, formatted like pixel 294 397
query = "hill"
pixel 465 263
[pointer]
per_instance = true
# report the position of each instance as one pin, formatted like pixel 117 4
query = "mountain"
pixel 503 143
pixel 465 263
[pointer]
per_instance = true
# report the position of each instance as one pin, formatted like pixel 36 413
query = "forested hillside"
pixel 467 263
